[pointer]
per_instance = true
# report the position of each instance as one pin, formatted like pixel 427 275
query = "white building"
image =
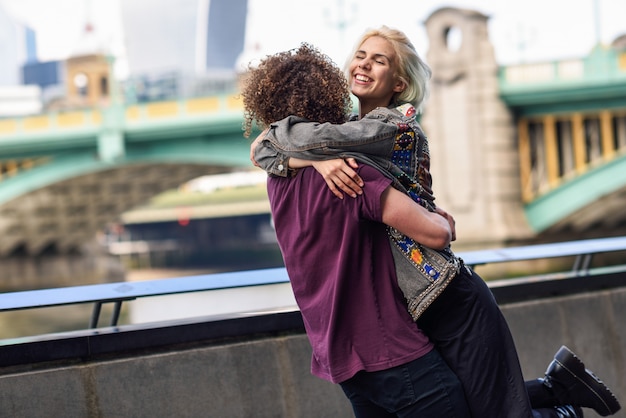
pixel 20 100
pixel 183 36
pixel 12 49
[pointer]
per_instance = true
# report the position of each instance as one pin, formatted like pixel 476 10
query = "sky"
pixel 521 31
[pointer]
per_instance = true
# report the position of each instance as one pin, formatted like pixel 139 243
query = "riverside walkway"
pixel 254 362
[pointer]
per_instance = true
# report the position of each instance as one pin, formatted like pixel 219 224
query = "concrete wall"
pixel 591 324
pixel 264 376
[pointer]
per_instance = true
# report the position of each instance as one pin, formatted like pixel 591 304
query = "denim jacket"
pixel 371 140
pixel 386 139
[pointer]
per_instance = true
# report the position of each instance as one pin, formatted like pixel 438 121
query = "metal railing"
pixel 120 292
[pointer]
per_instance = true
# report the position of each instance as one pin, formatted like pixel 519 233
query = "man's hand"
pixel 450 220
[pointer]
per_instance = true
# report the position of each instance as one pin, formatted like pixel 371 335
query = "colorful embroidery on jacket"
pixel 405 157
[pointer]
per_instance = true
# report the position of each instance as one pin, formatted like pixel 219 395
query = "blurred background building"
pixel 17 48
pixel 160 108
pixel 181 51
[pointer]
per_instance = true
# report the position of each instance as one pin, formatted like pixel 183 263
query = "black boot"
pixel 572 384
pixel 568 411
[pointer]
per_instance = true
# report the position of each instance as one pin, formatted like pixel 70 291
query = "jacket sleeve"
pixel 273 161
pixel 300 138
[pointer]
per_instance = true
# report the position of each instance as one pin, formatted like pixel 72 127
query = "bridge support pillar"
pixel 111 145
pixel 475 163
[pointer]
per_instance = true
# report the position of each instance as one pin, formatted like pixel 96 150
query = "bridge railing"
pixel 600 66
pixel 118 293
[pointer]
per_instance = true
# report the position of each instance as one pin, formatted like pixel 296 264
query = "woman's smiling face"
pixel 372 73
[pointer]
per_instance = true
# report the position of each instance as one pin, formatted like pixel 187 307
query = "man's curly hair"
pixel 301 82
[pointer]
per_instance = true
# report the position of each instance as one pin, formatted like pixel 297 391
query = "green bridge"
pixel 571 121
pixel 65 174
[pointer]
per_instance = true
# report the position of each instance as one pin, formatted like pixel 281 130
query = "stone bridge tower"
pixel 473 147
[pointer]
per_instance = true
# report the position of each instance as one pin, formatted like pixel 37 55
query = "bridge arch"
pixel 593 200
pixel 61 204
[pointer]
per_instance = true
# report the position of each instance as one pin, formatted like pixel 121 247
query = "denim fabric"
pixel 370 140
pixel 424 388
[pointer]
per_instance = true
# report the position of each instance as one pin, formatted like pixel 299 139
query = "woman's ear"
pixel 399 87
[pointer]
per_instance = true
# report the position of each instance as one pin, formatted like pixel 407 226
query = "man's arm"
pixel 411 219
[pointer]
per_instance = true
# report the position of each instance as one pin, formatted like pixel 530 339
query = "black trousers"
pixel 422 388
pixel 473 337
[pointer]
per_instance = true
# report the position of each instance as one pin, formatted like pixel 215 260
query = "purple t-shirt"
pixel 343 277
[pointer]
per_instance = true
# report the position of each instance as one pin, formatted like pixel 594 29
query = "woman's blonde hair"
pixel 410 68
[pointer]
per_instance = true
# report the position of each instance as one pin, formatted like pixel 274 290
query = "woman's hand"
pixel 255 143
pixel 340 176
pixel 450 220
